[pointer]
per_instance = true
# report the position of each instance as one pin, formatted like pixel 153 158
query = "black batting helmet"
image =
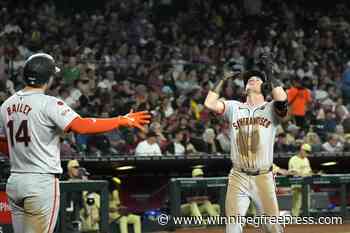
pixel 250 73
pixel 265 87
pixel 38 69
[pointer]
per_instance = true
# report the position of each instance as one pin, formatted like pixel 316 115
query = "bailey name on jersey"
pixel 251 121
pixel 19 107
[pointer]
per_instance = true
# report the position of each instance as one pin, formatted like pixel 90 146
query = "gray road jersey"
pixel 252 134
pixel 33 122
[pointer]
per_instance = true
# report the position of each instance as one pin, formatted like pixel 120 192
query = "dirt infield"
pixel 343 228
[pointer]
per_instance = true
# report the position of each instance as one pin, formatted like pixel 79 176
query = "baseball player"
pixel 299 165
pixel 32 122
pixel 252 130
pixel 117 212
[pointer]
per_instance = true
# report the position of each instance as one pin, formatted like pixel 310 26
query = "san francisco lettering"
pixel 251 121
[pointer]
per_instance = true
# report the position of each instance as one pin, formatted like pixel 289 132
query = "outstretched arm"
pixel 102 125
pixel 212 101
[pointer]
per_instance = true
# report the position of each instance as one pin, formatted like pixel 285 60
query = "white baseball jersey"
pixel 252 134
pixel 33 122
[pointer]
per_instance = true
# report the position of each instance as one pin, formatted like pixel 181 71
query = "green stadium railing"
pixel 177 185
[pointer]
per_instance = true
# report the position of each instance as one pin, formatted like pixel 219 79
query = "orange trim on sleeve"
pixel 93 126
pixel 68 127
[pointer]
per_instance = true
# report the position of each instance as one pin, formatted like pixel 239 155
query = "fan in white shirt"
pixel 176 147
pixel 333 144
pixel 148 147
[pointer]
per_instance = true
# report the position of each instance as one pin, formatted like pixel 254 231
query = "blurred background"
pixel 164 56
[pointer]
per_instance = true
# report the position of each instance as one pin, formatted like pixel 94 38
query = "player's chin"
pixel 253 90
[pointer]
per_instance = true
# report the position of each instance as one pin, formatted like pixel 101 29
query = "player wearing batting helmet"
pixel 264 88
pixel 253 125
pixel 38 69
pixel 32 122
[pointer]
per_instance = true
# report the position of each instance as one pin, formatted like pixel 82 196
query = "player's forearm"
pixel 278 94
pixel 93 126
pixel 212 102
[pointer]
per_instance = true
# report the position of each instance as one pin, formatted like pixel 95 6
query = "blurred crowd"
pixel 165 56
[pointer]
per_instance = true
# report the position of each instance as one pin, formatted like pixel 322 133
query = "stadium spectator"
pixel 333 144
pixel 177 53
pixel 98 145
pixel 161 139
pixel 224 139
pixel 67 147
pixel 74 199
pixel 299 165
pixel 281 144
pixel 149 146
pixel 292 135
pixel 299 100
pixel 340 110
pixel 71 71
pixel 345 84
pixel 314 141
pixel 176 147
pixel 213 145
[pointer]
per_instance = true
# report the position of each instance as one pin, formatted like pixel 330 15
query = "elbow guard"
pixel 281 108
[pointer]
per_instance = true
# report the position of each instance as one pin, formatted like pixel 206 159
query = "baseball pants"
pixel 34 202
pixel 260 189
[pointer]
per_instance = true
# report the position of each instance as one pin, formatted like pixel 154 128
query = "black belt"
pixel 253 172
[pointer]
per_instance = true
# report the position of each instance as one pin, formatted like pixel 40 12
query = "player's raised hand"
pixel 231 74
pixel 232 70
pixel 137 119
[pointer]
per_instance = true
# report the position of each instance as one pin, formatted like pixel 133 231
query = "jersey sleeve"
pixel 230 107
pixel 59 113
